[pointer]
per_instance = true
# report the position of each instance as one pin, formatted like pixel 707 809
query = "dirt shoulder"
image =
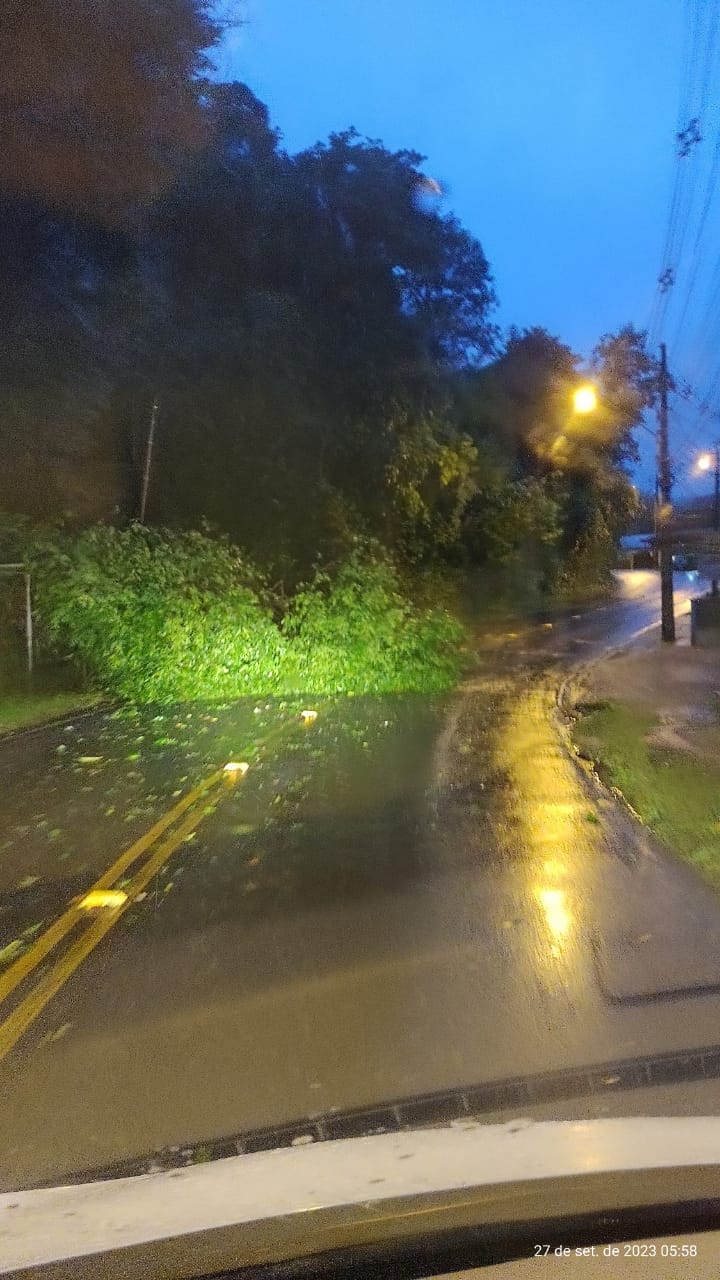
pixel 649 719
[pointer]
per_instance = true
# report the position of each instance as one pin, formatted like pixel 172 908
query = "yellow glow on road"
pixel 98 898
pixel 557 808
pixel 553 867
pixel 557 916
pixel 585 399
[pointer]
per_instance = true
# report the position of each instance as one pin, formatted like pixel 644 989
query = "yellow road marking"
pixel 55 933
pixel 98 898
pixel 50 983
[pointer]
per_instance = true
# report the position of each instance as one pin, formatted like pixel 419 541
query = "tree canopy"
pixel 317 329
pixel 96 98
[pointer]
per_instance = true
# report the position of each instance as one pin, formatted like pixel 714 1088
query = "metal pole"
pixel 28 624
pixel 666 564
pixel 148 462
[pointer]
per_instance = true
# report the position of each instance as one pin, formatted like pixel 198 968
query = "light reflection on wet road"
pixel 406 898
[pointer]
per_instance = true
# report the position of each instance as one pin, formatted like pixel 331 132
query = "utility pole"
pixel 148 461
pixel 665 481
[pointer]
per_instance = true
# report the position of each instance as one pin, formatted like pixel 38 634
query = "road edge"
pixel 627 833
pixel 43 726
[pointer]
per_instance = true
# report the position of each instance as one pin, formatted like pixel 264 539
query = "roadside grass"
pixel 18 710
pixel 677 795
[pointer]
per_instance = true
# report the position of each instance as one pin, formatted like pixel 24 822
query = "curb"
pixel 588 767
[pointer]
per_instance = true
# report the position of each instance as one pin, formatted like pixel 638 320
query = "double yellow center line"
pixel 170 830
pixel 175 825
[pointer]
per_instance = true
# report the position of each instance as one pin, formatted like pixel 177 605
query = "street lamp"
pixel 710 461
pixel 585 399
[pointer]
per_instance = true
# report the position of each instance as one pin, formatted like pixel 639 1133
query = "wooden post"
pixel 28 624
pixel 667 629
pixel 148 462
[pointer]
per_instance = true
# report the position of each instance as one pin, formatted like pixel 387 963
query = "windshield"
pixel 359 511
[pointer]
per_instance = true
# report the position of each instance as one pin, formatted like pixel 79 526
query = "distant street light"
pixel 585 399
pixel 711 462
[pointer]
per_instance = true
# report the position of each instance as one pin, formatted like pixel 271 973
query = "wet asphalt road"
pixel 400 898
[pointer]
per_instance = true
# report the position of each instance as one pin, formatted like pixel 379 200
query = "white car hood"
pixel 71 1222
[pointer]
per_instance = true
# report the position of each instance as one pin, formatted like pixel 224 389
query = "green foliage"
pixel 587 569
pixel 156 616
pixel 356 631
pixel 595 509
pixel 430 478
pixel 508 518
pixel 628 381
pixel 675 793
pixel 521 401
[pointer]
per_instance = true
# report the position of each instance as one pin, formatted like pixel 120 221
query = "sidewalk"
pixel 649 719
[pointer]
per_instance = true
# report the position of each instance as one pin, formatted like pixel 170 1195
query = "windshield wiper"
pixel 425 1110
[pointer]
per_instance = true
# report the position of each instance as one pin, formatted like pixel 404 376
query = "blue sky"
pixel 549 123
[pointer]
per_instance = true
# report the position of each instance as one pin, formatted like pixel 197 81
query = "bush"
pixel 357 633
pixel 155 616
pixel 587 571
pixel 159 616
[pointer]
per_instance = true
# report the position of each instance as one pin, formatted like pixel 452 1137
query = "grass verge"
pixel 19 711
pixel 675 793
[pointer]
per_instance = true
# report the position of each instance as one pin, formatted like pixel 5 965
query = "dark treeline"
pixel 317 330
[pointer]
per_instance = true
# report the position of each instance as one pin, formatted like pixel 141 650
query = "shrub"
pixel 587 570
pixel 156 616
pixel 356 632
pixel 159 616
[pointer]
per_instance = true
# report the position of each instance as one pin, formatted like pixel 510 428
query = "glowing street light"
pixel 710 461
pixel 585 399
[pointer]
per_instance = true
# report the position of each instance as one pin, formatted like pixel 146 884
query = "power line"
pixel 704 329
pixel 691 109
pixel 709 51
pixel 697 341
pixel 696 256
